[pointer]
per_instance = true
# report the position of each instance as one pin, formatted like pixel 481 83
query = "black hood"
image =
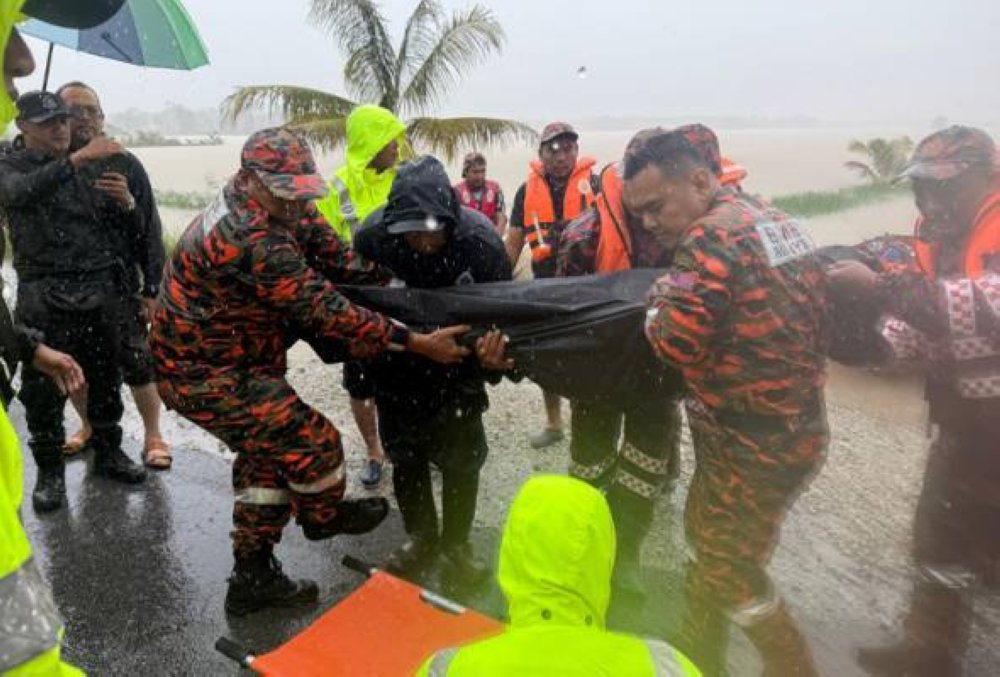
pixel 421 188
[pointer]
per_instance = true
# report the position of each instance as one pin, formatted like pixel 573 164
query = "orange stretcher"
pixel 385 627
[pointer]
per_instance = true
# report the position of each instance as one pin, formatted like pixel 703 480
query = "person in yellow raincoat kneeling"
pixel 556 559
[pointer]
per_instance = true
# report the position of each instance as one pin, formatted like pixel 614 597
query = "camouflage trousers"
pixel 748 474
pixel 289 458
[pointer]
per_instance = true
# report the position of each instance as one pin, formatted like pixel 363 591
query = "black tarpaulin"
pixel 579 337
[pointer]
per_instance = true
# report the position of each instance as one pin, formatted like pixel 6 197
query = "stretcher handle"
pixel 359 565
pixel 441 603
pixel 234 651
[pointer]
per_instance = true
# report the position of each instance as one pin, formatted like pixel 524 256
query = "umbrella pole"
pixel 48 67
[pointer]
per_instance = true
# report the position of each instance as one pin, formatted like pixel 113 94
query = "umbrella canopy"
pixel 153 33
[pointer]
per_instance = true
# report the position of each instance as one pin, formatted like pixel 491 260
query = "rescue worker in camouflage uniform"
pixel 605 239
pixel 375 140
pixel 64 232
pixel 254 272
pixel 741 314
pixel 950 304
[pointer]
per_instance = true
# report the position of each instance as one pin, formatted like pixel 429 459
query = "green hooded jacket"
pixel 369 130
pixel 556 558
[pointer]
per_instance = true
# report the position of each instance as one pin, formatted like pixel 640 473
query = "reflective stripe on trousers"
pixel 29 620
pixel 669 662
pixel 441 662
pixel 754 611
pixel 273 496
pixel 591 472
pixel 951 577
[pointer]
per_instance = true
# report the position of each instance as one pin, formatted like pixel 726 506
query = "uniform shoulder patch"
pixel 784 241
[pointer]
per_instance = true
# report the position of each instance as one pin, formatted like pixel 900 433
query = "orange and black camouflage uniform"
pixel 237 292
pixel 745 329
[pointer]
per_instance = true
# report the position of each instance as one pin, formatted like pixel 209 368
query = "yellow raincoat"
pixel 556 558
pixel 30 627
pixel 369 130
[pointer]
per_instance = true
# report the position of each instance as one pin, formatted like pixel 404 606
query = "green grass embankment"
pixel 180 200
pixel 817 203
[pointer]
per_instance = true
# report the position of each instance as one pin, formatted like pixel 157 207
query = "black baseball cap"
pixel 40 106
pixel 72 13
pixel 425 224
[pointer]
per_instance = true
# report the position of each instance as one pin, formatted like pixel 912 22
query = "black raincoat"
pixel 410 386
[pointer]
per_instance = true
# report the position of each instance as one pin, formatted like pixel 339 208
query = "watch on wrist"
pixel 399 335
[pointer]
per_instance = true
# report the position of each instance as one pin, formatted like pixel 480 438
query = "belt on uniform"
pixel 762 423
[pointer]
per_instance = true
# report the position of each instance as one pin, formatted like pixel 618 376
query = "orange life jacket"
pixel 538 208
pixel 976 356
pixel 614 244
pixel 984 242
pixel 614 247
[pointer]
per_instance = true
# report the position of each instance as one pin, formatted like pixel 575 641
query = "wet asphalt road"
pixel 139 572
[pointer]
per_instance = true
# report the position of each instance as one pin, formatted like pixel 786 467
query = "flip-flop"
pixel 157 454
pixel 76 443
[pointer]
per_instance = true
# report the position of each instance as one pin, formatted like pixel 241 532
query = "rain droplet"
pixel 582 72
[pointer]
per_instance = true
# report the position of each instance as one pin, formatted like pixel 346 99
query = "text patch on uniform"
pixel 784 241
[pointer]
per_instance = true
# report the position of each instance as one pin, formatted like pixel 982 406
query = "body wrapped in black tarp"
pixel 579 337
pixel 855 323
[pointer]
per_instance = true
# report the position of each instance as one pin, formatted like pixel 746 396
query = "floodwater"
pixel 780 161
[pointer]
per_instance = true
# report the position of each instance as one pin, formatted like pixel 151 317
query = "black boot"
pixel 935 628
pixel 413 557
pixel 353 517
pixel 50 486
pixel 415 497
pixel 257 582
pixel 632 515
pixel 461 569
pixel 627 576
pixel 111 462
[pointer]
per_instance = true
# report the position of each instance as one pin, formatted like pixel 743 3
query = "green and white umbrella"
pixel 152 33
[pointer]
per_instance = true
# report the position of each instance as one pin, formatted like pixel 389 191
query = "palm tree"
pixel 886 158
pixel 435 52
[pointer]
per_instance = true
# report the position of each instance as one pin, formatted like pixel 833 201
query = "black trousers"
pixel 453 441
pixel 650 453
pixel 93 338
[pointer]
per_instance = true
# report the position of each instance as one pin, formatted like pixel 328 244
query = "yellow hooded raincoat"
pixel 356 190
pixel 556 558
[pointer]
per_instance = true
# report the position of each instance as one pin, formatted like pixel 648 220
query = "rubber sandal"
pixel 77 443
pixel 157 454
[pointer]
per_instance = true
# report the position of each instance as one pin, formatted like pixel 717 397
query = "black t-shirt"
pixel 557 189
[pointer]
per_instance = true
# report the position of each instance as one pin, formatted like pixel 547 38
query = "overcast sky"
pixel 841 61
